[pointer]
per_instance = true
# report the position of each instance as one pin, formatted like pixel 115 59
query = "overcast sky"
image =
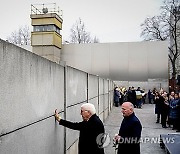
pixel 109 20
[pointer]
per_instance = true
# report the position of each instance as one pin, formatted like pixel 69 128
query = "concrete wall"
pixel 32 87
pixel 122 61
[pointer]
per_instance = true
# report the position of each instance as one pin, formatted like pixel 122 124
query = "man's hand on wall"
pixel 57 116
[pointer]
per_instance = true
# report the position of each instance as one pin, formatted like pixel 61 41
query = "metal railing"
pixel 46 8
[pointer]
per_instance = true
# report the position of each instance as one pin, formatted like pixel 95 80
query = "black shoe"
pixel 178 131
pixel 157 121
pixel 164 126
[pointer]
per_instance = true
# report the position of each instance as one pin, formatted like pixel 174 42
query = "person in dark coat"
pixel 90 128
pixel 116 96
pixel 150 96
pixel 158 101
pixel 178 109
pixel 164 109
pixel 173 114
pixel 134 97
pixel 130 131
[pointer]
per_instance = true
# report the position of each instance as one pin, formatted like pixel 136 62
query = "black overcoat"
pixel 89 130
pixel 130 132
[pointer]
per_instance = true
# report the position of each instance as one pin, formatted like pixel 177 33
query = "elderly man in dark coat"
pixel 89 128
pixel 130 131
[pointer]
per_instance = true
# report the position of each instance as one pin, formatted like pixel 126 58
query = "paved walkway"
pixel 150 128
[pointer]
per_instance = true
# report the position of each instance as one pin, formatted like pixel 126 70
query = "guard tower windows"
pixel 46 28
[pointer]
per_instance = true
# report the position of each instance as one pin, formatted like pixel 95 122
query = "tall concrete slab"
pixel 76 86
pixel 93 90
pixel 31 89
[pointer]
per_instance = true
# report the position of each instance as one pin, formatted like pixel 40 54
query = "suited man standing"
pixel 129 132
pixel 90 129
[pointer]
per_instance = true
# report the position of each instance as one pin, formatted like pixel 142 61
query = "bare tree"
pixel 80 35
pixel 166 26
pixel 154 29
pixel 95 40
pixel 20 37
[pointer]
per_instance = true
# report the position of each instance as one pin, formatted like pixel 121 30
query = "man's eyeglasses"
pixel 83 111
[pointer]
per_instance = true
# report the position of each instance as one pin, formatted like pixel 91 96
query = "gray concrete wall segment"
pixel 98 95
pixel 101 104
pixel 30 86
pixel 122 61
pixel 78 56
pixel 143 85
pixel 111 94
pixel 106 101
pixel 122 83
pixel 157 60
pixel 109 102
pixel 137 62
pixel 101 95
pixel 105 105
pixel 93 91
pixel 92 86
pixel 101 116
pixel 44 137
pixel 112 98
pixel 118 61
pixel 73 114
pixel 76 86
pixel 101 86
pixel 106 86
pixel 100 59
pixel 73 149
pixel 106 114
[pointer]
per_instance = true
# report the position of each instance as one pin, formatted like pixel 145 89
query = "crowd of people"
pixel 92 132
pixel 167 109
pixel 167 105
pixel 135 96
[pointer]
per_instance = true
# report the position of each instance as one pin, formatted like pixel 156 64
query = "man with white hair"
pixel 89 128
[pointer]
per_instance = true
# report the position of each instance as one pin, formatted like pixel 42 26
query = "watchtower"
pixel 46 39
